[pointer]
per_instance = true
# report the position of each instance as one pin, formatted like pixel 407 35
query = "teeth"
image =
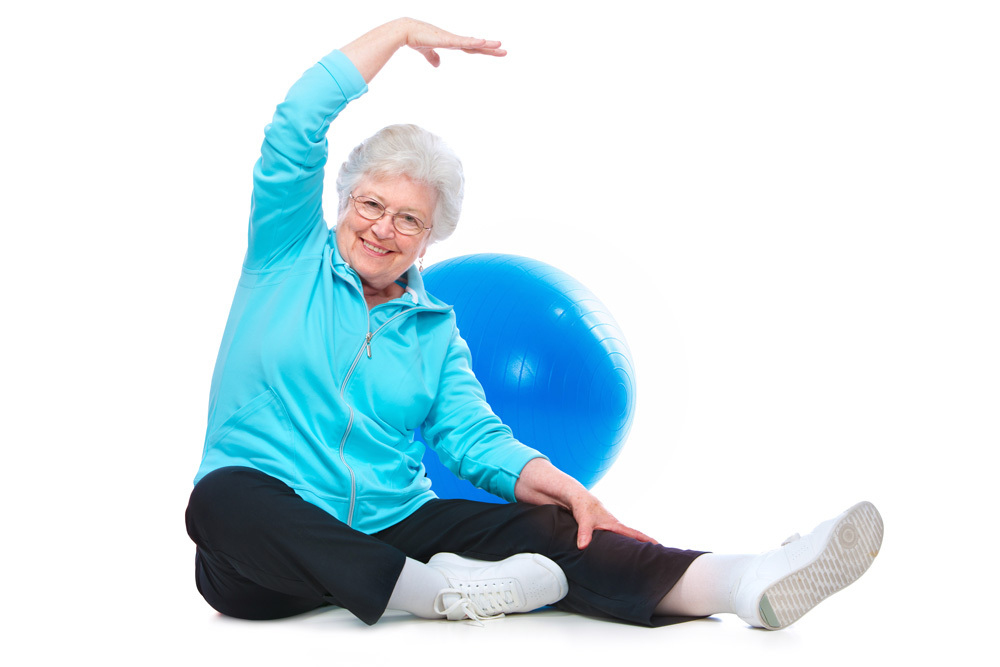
pixel 373 248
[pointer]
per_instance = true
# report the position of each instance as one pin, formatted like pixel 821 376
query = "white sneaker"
pixel 782 585
pixel 483 590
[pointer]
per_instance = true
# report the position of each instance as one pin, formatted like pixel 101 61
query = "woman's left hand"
pixel 541 483
pixel 591 515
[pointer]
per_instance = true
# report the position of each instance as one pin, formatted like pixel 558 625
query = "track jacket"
pixel 314 389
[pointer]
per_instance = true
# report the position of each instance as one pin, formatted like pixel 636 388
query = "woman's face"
pixel 373 248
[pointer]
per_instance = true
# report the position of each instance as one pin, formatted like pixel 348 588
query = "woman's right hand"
pixel 374 49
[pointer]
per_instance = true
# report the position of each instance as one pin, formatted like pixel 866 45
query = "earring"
pixel 420 264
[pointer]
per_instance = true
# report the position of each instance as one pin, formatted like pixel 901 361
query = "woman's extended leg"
pixel 648 584
pixel 774 589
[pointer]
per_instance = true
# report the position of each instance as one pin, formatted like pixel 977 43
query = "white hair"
pixel 408 150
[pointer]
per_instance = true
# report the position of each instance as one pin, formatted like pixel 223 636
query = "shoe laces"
pixel 790 539
pixel 484 602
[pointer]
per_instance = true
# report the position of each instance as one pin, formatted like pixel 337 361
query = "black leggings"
pixel 264 552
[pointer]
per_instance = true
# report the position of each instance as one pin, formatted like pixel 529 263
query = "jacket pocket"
pixel 259 429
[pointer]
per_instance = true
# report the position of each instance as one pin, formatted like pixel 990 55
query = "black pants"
pixel 264 552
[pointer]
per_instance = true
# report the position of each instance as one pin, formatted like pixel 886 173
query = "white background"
pixel 790 207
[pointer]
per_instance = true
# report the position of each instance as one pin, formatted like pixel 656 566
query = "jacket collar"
pixel 415 291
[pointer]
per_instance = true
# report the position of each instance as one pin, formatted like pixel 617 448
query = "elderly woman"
pixel 311 491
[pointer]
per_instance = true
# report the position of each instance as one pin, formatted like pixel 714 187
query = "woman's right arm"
pixel 286 214
pixel 286 211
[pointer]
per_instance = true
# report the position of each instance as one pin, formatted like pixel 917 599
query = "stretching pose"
pixel 311 490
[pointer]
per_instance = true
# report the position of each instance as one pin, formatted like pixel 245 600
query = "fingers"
pixel 425 37
pixel 622 529
pixel 585 532
pixel 498 52
pixel 487 49
pixel 432 56
pixel 439 39
pixel 634 534
pixel 591 515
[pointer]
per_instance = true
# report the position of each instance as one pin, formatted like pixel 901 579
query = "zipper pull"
pixel 368 344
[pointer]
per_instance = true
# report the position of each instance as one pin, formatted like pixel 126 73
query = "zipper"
pixel 343 459
pixel 366 347
pixel 347 432
pixel 371 335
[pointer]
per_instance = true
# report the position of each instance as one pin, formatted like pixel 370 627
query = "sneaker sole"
pixel 850 550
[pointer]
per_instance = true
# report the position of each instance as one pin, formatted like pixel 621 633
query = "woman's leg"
pixel 264 552
pixel 774 589
pixel 614 577
pixel 648 584
pixel 706 587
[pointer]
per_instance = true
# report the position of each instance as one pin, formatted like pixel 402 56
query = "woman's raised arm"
pixel 286 215
pixel 374 49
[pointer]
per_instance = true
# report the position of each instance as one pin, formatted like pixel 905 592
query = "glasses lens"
pixel 407 224
pixel 368 208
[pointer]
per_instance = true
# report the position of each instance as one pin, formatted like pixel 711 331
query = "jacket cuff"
pixel 347 76
pixel 506 479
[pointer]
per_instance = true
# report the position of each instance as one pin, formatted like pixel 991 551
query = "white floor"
pixel 132 601
pixel 859 627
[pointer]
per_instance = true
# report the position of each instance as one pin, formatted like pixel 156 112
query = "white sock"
pixel 416 589
pixel 706 587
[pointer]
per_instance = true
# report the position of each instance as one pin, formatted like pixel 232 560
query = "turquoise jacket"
pixel 314 389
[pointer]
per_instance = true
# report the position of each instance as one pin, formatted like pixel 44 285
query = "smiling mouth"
pixel 373 248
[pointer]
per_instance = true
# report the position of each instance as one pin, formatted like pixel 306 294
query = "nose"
pixel 383 227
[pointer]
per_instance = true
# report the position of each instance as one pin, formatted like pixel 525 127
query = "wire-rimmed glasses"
pixel 372 209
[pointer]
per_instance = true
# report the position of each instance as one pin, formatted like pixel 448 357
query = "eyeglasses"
pixel 371 209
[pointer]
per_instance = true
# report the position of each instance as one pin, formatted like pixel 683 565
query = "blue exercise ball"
pixel 551 358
